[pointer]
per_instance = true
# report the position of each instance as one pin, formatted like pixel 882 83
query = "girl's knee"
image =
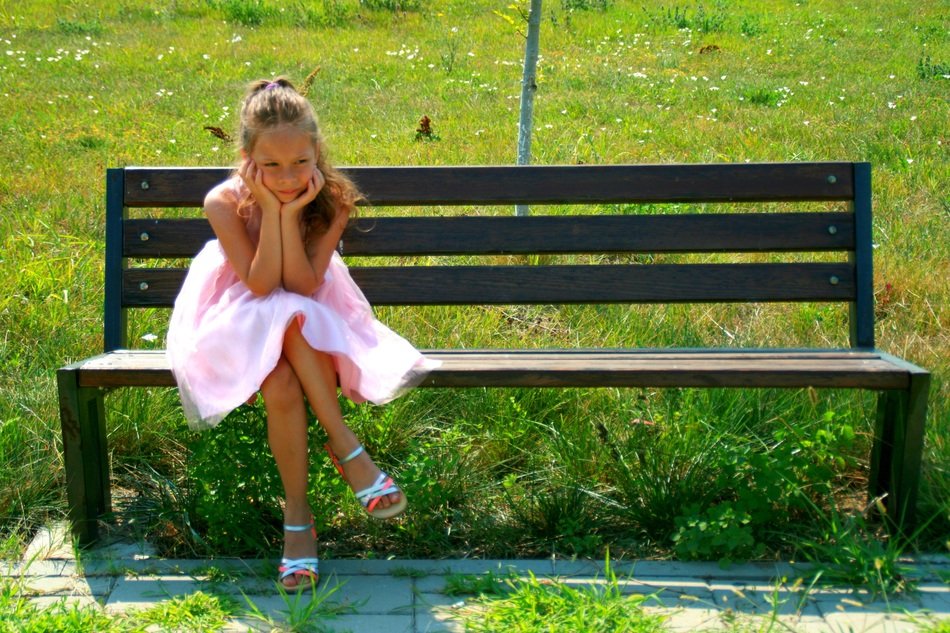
pixel 282 387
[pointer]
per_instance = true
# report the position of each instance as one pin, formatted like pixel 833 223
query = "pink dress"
pixel 223 340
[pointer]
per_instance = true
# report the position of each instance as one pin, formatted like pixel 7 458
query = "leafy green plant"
pixel 847 551
pixel 487 584
pixel 305 608
pixel 235 503
pixel 532 604
pixel 198 612
pixel 586 5
pixel 392 5
pixel 928 69
pixel 720 532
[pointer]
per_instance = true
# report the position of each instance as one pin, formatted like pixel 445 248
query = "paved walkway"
pixel 409 596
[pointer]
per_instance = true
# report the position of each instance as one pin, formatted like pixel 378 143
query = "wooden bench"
pixel 788 276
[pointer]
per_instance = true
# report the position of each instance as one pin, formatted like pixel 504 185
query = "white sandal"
pixel 309 568
pixel 369 497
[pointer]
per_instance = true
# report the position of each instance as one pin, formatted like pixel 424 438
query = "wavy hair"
pixel 271 104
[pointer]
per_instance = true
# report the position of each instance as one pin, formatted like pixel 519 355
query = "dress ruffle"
pixel 223 340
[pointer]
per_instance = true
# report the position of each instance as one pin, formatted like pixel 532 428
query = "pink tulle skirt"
pixel 223 340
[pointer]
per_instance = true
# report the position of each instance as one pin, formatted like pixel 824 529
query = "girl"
pixel 270 307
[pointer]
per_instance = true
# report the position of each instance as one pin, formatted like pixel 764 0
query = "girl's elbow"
pixel 259 289
pixel 309 289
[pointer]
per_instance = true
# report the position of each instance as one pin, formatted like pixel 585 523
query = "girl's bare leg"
pixel 287 436
pixel 318 379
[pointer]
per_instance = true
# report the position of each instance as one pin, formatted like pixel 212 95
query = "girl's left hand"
pixel 314 185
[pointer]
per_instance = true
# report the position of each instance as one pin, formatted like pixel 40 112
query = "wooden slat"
pixel 586 368
pixel 529 184
pixel 482 285
pixel 730 232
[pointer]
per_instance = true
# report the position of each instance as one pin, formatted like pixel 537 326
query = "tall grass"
pixel 494 472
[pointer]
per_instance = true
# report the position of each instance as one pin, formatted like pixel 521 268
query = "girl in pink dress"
pixel 270 307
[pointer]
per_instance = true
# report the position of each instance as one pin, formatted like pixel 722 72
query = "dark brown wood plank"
pixel 531 184
pixel 483 285
pixel 586 368
pixel 731 232
pixel 497 370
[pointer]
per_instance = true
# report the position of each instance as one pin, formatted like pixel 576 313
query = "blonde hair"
pixel 271 104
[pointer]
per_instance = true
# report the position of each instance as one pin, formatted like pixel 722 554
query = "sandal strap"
pixel 356 453
pixel 293 566
pixel 298 528
pixel 384 485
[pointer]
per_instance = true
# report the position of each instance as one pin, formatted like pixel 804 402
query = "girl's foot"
pixel 299 567
pixel 373 488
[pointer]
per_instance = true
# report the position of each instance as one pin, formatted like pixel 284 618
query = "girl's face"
pixel 286 158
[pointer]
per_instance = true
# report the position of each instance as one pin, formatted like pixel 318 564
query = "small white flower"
pixel 149 338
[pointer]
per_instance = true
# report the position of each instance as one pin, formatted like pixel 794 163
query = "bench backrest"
pixel 846 230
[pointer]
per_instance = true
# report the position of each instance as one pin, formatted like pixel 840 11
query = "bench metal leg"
pixel 85 454
pixel 897 450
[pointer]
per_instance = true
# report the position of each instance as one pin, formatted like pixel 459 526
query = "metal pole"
pixel 528 87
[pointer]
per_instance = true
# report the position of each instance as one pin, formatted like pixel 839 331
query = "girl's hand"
pixel 314 185
pixel 254 179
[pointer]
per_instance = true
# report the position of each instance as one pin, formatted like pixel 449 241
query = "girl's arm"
pixel 304 273
pixel 258 267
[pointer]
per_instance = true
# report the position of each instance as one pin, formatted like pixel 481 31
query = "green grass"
pixel 531 604
pixel 198 613
pixel 503 472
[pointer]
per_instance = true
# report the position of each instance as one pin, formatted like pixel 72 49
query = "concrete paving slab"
pixel 378 595
pixel 50 602
pixel 408 595
pixel 366 623
pixel 36 567
pixel 438 613
pixel 146 591
pixel 67 585
pixel 686 619
pixel 50 542
pixel 763 599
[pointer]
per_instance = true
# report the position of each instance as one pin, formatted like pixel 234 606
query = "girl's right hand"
pixel 254 179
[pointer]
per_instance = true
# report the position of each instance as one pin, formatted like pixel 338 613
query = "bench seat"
pixel 791 368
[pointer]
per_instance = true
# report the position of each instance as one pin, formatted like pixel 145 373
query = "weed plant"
pixel 711 474
pixel 530 604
